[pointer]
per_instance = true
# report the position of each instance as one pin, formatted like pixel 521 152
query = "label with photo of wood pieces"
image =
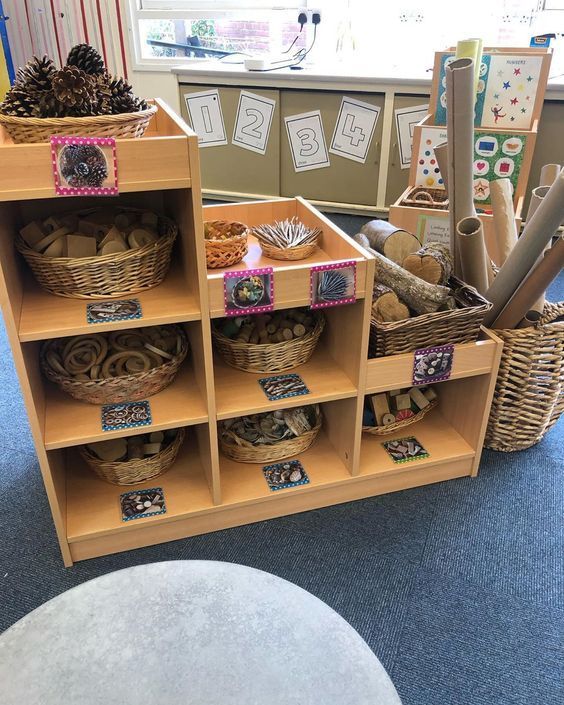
pixel 140 504
pixel 432 364
pixel 131 414
pixel 107 311
pixel 333 284
pixel 283 386
pixel 84 166
pixel 249 291
pixel 404 450
pixel 281 476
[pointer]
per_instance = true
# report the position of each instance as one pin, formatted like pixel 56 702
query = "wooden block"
pixel 48 239
pixel 112 248
pixel 85 227
pixel 394 392
pixel 430 394
pixel 403 401
pixel 380 406
pixel 151 219
pixel 141 237
pixel 113 235
pixel 156 437
pixel 418 397
pixel 56 249
pixel 151 448
pixel 125 219
pixel 78 246
pixel 111 450
pixel 33 233
pixel 51 224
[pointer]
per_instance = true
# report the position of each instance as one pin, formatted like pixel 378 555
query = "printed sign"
pixel 206 117
pixel 283 386
pixel 428 173
pixel 432 364
pixel 84 166
pixel 307 141
pixel 354 129
pixel 106 311
pixel 253 122
pixel 131 414
pixel 140 504
pixel 403 450
pixel 406 119
pixel 281 476
pixel 431 228
pixel 333 284
pixel 248 291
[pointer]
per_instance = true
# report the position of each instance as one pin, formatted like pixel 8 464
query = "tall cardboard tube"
pixel 503 219
pixel 537 233
pixel 470 236
pixel 548 174
pixel 441 155
pixel 537 195
pixel 460 129
pixel 534 285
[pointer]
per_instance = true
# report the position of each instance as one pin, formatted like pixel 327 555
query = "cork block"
pixel 78 246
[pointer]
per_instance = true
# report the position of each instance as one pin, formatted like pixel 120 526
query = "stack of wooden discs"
pixel 289 239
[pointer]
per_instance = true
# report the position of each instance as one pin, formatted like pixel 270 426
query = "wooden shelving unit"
pixel 204 491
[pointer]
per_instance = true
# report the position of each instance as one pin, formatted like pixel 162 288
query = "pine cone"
pixel 18 103
pixel 73 88
pixel 86 58
pixel 48 106
pixel 102 105
pixel 36 75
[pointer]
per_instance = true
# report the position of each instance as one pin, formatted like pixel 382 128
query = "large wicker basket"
pixel 115 390
pixel 529 393
pixel 224 252
pixel 269 358
pixel 122 126
pixel 461 325
pixel 131 472
pixel 242 451
pixel 398 425
pixel 105 276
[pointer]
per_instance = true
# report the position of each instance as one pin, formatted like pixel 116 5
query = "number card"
pixel 354 129
pixel 206 117
pixel 406 119
pixel 248 291
pixel 253 123
pixel 84 166
pixel 307 141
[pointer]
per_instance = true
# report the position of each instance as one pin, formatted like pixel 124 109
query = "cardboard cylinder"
pixel 503 219
pixel 537 233
pixel 470 237
pixel 534 285
pixel 548 174
pixel 537 195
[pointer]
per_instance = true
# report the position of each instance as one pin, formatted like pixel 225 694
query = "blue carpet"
pixel 457 587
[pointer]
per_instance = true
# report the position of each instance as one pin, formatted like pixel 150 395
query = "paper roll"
pixel 548 174
pixel 441 155
pixel 503 219
pixel 536 199
pixel 534 285
pixel 470 237
pixel 471 49
pixel 538 231
pixel 530 320
pixel 460 130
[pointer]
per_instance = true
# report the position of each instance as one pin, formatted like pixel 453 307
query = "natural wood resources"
pixel 386 305
pixel 266 328
pixel 417 294
pixel 394 243
pixel 432 263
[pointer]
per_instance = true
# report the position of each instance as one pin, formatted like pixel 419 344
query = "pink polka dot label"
pixel 333 284
pixel 84 166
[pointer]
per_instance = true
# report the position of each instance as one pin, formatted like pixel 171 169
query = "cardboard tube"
pixel 460 130
pixel 537 233
pixel 548 174
pixel 534 285
pixel 530 320
pixel 503 219
pixel 537 195
pixel 441 155
pixel 470 235
pixel 471 49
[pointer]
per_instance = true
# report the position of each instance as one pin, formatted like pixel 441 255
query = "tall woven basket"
pixel 529 394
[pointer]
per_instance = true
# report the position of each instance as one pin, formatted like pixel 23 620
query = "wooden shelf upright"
pixel 204 491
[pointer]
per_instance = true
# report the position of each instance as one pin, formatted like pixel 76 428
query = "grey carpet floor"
pixel 458 587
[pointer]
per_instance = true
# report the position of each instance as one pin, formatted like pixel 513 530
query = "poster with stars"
pixel 511 91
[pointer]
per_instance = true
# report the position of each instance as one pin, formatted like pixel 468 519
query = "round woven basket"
pixel 270 357
pixel 393 427
pixel 122 126
pixel 115 390
pixel 244 452
pixel 228 251
pixel 529 393
pixel 105 276
pixel 131 472
pixel 288 253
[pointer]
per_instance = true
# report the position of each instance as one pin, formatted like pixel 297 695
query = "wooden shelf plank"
pixel 93 504
pixel 69 422
pixel 239 392
pixel 396 371
pixel 44 315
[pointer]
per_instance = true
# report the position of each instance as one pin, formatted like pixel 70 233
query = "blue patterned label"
pixel 281 476
pixel 107 311
pixel 283 386
pixel 131 414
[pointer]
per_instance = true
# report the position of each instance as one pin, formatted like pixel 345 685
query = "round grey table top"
pixel 189 633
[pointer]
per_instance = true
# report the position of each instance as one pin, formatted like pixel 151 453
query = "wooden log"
pixel 417 294
pixel 432 263
pixel 386 306
pixel 394 243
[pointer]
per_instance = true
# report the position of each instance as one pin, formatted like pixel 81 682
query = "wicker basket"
pixel 105 276
pixel 122 126
pixel 288 253
pixel 426 198
pixel 131 472
pixel 242 451
pixel 228 251
pixel 115 390
pixel 393 427
pixel 461 325
pixel 529 393
pixel 269 358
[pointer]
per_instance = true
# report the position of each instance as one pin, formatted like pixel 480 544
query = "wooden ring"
pixel 113 359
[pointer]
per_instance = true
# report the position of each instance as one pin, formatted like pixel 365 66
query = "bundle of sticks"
pixel 286 233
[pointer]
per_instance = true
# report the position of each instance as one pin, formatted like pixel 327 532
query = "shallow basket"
pixel 115 390
pixel 242 451
pixel 105 276
pixel 224 253
pixel 122 126
pixel 288 253
pixel 269 358
pixel 426 198
pixel 461 325
pixel 393 427
pixel 131 472
pixel 529 393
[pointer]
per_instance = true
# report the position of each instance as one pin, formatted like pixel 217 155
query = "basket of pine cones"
pixel 81 98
